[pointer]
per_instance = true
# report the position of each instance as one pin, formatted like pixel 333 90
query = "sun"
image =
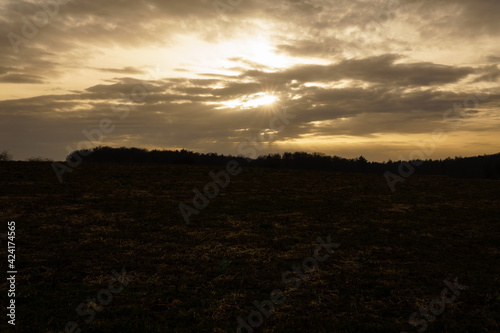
pixel 252 101
pixel 262 51
pixel 260 99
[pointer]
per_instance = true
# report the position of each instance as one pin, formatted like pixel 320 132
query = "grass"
pixel 396 249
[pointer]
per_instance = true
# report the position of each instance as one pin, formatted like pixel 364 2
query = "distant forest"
pixel 486 166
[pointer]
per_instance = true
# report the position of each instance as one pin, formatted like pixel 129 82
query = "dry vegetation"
pixel 396 248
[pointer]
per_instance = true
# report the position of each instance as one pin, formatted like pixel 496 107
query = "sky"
pixel 346 77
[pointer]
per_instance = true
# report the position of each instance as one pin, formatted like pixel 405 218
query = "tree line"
pixel 485 166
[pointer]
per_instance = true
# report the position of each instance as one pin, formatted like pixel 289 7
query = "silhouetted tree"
pixel 39 159
pixel 471 167
pixel 5 156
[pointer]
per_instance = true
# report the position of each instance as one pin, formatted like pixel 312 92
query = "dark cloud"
pixel 492 75
pixel 21 78
pixel 493 59
pixel 124 70
pixel 460 18
pixel 5 70
pixel 380 69
pixel 313 48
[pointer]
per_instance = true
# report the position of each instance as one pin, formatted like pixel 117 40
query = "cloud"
pixel 353 68
pixel 474 17
pixel 161 121
pixel 21 78
pixel 380 69
pixel 124 70
pixel 492 75
pixel 327 47
pixel 493 59
pixel 5 70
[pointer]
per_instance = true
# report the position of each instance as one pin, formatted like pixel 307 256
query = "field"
pixel 394 251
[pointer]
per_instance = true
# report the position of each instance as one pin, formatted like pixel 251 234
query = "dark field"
pixel 396 249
